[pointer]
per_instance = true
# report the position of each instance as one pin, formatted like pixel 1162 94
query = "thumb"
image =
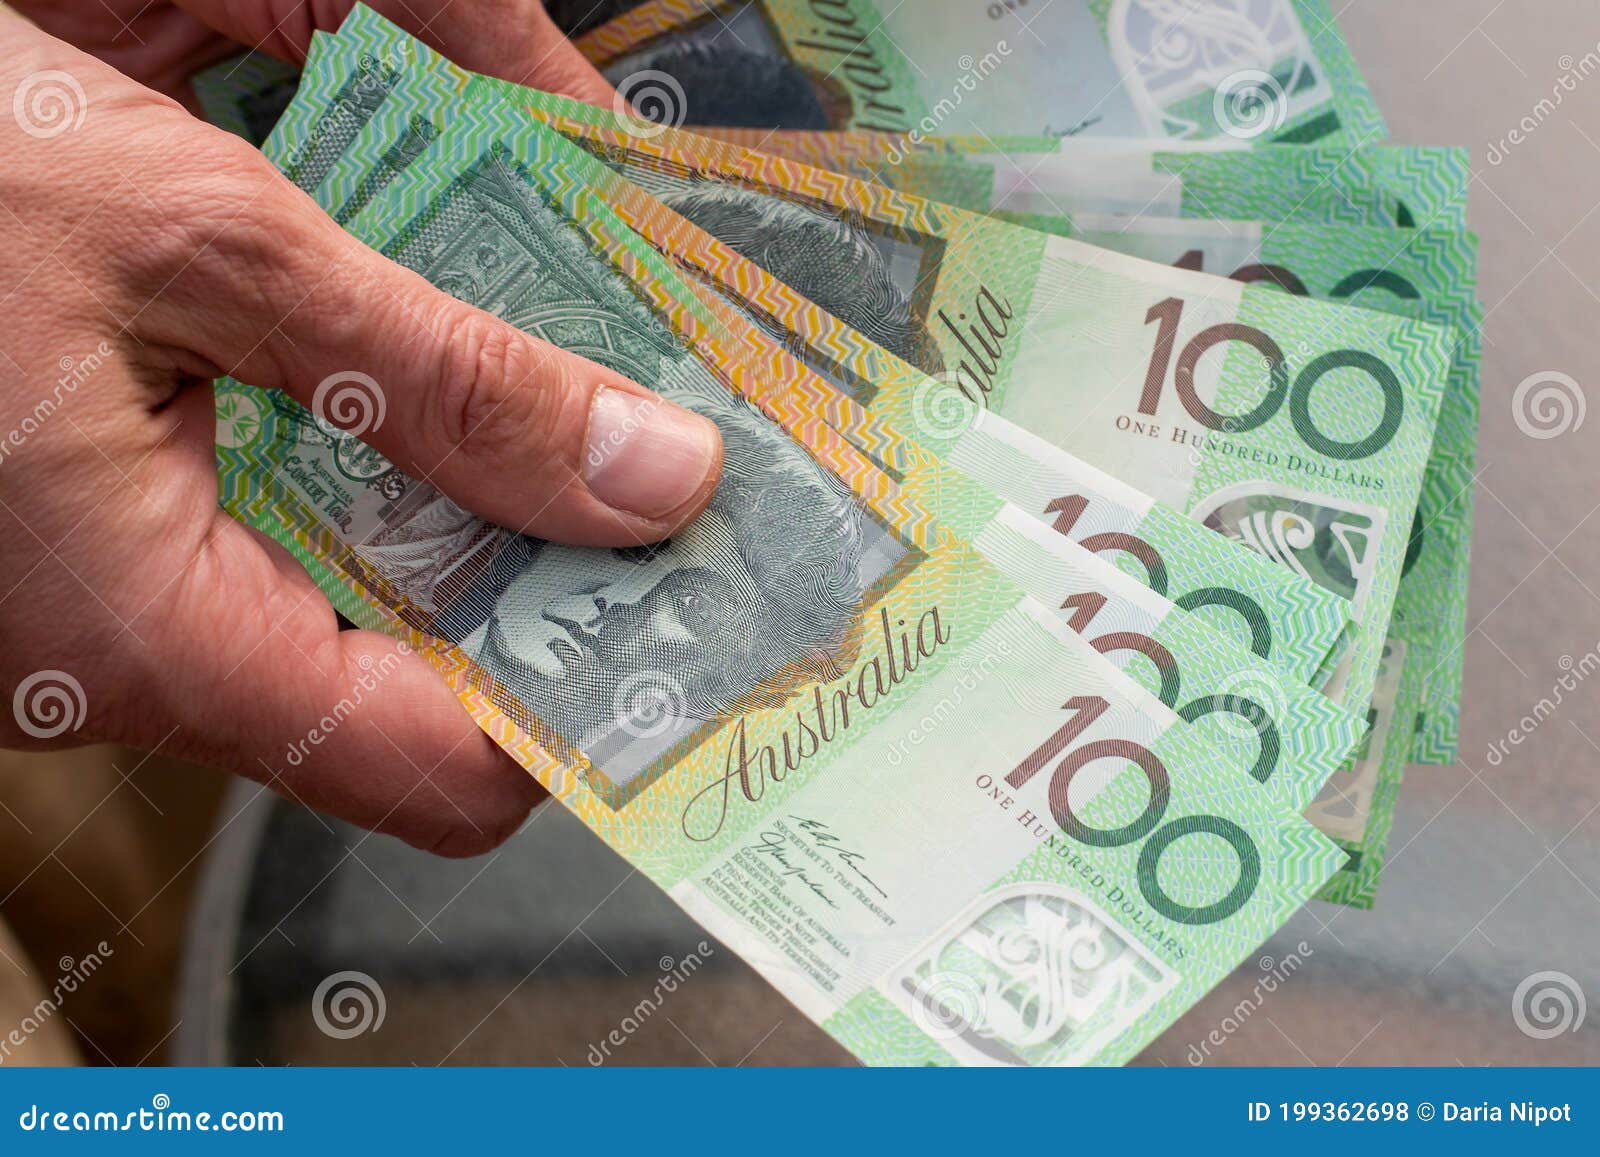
pixel 515 429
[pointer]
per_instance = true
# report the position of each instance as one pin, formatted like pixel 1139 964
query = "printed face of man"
pixel 829 259
pixel 571 629
pixel 771 574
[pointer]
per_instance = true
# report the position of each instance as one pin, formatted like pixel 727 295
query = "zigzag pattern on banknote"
pixel 1447 496
pixel 1399 185
pixel 1307 614
pixel 643 24
pixel 1302 845
pixel 1357 885
pixel 1436 179
pixel 1310 616
pixel 277 512
pixel 696 322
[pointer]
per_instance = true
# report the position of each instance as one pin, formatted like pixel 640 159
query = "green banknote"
pixel 1101 68
pixel 770 803
pixel 1422 273
pixel 1299 427
pixel 1365 796
pixel 1302 203
pixel 1401 185
pixel 1242 703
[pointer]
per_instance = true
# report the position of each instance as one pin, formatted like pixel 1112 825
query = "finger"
pixel 255 677
pixel 513 39
pixel 511 427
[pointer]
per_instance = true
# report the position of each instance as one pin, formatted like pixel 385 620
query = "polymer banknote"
pixel 874 892
pixel 1364 797
pixel 1171 650
pixel 1078 345
pixel 1330 213
pixel 1268 69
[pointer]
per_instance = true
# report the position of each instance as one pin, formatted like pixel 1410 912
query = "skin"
pixel 181 253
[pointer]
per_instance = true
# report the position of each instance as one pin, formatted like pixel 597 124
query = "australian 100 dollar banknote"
pixel 740 787
pixel 1408 186
pixel 1274 727
pixel 1328 214
pixel 1427 273
pixel 1268 69
pixel 1296 425
pixel 351 140
pixel 1245 705
pixel 1362 803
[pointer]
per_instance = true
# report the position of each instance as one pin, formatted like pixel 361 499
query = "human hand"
pixel 148 253
pixel 162 44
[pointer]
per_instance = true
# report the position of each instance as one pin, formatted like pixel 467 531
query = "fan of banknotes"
pixel 1099 405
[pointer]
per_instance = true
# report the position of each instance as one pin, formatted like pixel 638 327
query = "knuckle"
pixel 215 228
pixel 490 396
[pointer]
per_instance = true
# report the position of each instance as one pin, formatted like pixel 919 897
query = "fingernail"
pixel 645 455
